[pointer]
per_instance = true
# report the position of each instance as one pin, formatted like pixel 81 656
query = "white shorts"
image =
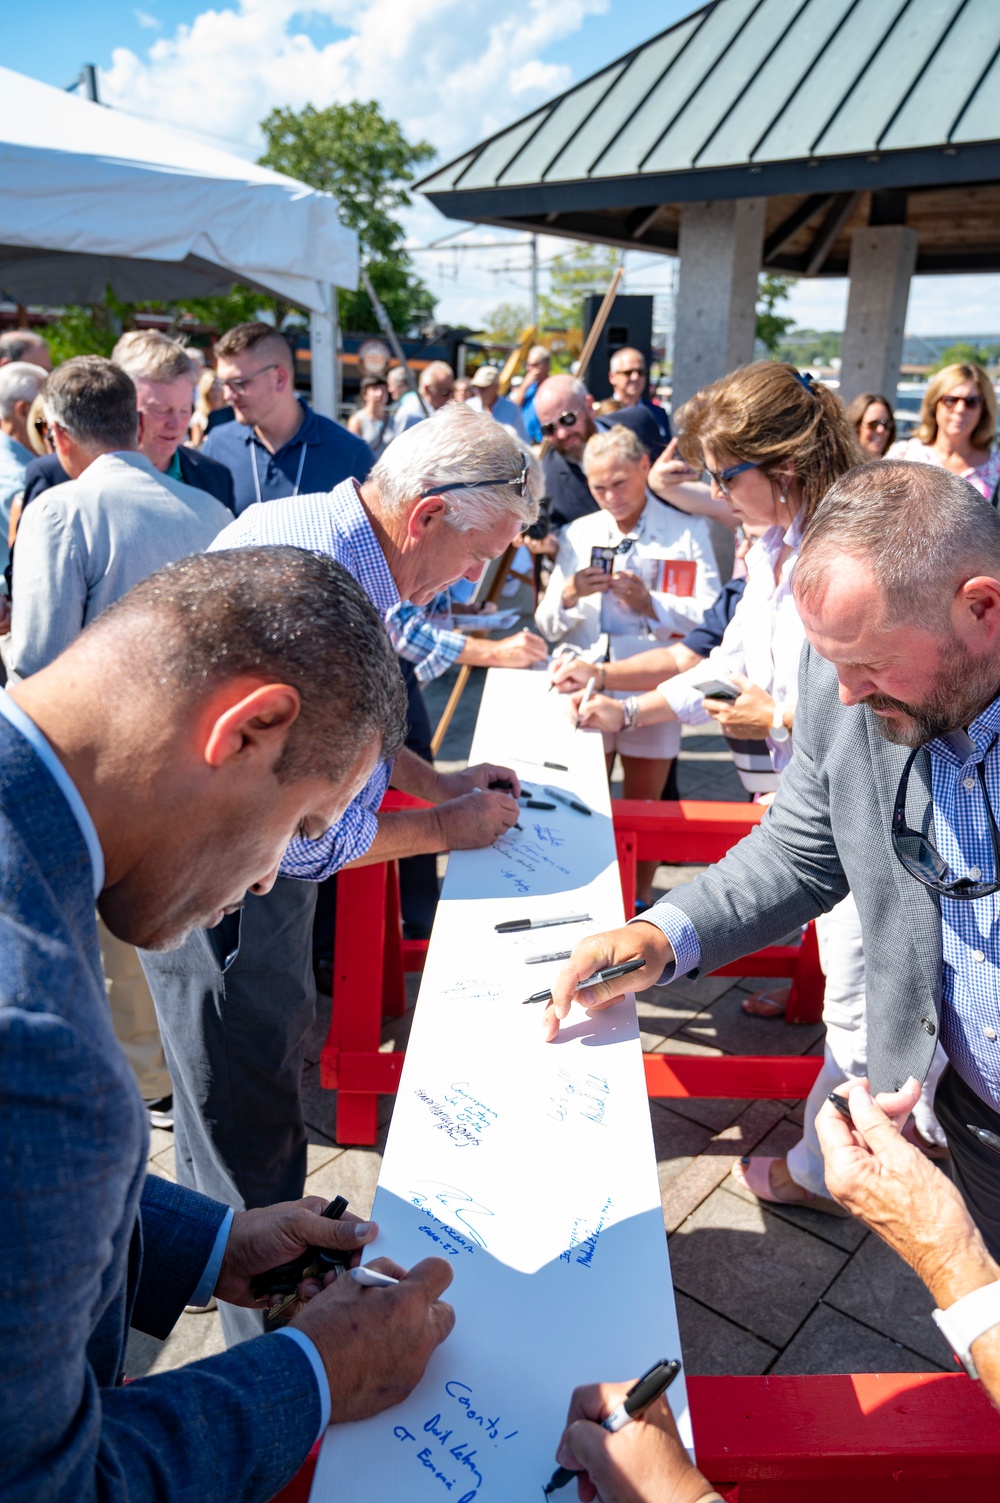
pixel 653 742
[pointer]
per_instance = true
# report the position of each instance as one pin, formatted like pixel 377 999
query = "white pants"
pixel 845 1052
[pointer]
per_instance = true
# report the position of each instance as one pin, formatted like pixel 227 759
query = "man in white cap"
pixel 486 383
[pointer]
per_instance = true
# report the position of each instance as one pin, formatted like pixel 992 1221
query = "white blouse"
pixel 661 533
pixel 763 641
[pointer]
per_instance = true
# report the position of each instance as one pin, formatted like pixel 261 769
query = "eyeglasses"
pixel 564 420
pixel 925 863
pixel 723 477
pixel 952 402
pixel 878 423
pixel 630 375
pixel 520 483
pixel 239 386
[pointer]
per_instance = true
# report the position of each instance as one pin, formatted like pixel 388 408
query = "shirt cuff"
pixel 683 937
pixel 210 1277
pixel 322 1381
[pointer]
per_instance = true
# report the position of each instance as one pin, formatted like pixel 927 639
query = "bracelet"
pixel 630 713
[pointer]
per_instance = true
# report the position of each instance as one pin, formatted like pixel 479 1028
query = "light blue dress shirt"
pixel 14 459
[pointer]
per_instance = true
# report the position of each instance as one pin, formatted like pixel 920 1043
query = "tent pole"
pixel 323 359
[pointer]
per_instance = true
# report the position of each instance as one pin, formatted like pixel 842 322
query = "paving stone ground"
pixel 759 1289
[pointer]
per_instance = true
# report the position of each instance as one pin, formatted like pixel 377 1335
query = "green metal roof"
pixel 806 99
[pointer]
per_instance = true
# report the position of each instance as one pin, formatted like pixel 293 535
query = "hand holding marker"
pixel 638 1399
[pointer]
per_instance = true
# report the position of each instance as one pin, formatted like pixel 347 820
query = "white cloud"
pixel 448 71
pixel 145 20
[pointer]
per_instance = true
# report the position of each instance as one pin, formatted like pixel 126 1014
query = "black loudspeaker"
pixel 630 323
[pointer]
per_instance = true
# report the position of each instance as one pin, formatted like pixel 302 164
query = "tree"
pixel 365 161
pixel 771 326
pixel 964 353
pixel 505 324
pixel 584 269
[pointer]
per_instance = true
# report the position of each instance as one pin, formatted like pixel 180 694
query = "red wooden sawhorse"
pixel 870 1437
pixel 371 959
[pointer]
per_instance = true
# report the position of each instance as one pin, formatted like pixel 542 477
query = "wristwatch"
pixel 779 730
pixel 967 1319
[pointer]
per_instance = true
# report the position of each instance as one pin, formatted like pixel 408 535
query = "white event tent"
pixel 91 196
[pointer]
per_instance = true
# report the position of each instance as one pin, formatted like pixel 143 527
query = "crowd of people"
pixel 221 609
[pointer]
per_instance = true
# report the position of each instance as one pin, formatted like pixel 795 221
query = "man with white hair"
pixel 536 371
pixel 236 1003
pixel 20 384
pixel 436 386
pixel 165 375
pixel 26 345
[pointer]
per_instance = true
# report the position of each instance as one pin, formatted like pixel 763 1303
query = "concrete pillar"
pixel 324 365
pixel 880 268
pixel 720 246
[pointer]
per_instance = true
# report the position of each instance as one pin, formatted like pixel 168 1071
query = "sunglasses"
pixel 564 420
pixel 922 859
pixel 723 477
pixel 630 374
pixel 972 403
pixel 873 427
pixel 520 484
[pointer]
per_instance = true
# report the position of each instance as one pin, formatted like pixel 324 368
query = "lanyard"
pixel 256 476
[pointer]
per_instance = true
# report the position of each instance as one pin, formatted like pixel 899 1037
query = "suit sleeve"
pixel 179 1228
pixel 50 589
pixel 786 871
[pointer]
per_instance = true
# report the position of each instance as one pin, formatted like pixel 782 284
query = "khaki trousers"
pixel 133 1015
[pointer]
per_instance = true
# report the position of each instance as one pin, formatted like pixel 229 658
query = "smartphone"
pixel 714 688
pixel 603 559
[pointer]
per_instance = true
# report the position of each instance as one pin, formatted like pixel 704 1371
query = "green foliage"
pixel 585 268
pixel 963 353
pixel 805 347
pixel 505 324
pixel 354 152
pixel 241 305
pixel 771 326
pixel 79 331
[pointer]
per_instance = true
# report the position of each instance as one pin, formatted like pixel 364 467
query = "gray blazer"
pixel 83 544
pixel 827 833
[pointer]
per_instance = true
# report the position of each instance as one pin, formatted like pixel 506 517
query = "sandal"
pixel 754 1174
pixel 770 1002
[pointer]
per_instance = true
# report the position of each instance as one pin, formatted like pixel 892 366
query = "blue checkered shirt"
pixel 332 522
pixel 970 931
pixel 431 649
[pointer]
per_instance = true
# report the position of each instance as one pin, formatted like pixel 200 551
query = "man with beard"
pixel 891 794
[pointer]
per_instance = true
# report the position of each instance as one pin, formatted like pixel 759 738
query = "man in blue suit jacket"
pixel 136 768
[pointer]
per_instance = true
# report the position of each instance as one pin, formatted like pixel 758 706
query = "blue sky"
pixel 449 70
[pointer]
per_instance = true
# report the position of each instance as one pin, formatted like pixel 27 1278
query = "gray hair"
pixel 94 402
pixel 19 382
pixel 17 343
pixel 437 370
pixel 287 613
pixel 921 530
pixel 619 443
pixel 457 444
pixel 148 355
pixel 538 352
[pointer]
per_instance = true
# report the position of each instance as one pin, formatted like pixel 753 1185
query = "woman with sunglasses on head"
pixel 773 442
pixel 632 573
pixel 958 424
pixel 870 415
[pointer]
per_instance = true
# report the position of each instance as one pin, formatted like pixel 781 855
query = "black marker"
pixel 564 798
pixel 512 926
pixel 504 784
pixel 611 974
pixel 555 766
pixel 541 959
pixel 987 1138
pixel 537 803
pixel 638 1399
pixel 843 1106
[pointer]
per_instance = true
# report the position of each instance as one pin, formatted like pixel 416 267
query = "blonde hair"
pixel 203 391
pixel 770 416
pixel 939 385
pixel 619 443
pixel 148 355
